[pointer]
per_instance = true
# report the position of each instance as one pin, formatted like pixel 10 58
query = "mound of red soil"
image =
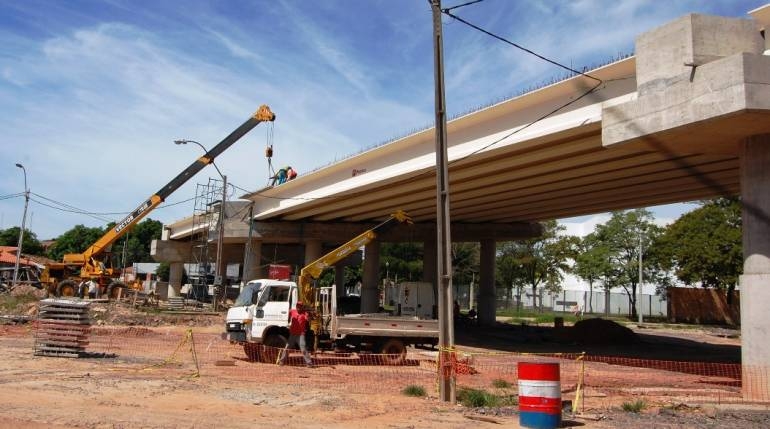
pixel 601 331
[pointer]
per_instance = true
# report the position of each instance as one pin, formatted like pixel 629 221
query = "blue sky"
pixel 93 93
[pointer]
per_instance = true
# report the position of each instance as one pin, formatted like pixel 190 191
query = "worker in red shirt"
pixel 298 321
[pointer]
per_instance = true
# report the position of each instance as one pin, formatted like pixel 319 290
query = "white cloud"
pixel 91 99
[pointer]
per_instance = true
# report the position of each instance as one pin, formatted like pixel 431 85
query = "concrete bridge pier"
pixel 339 278
pixel 175 273
pixel 487 296
pixel 254 263
pixel 370 302
pixel 755 281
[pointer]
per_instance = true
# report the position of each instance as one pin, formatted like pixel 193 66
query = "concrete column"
pixel 176 270
pixel 255 259
pixel 339 278
pixel 313 249
pixel 369 291
pixel 430 262
pixel 487 297
pixel 755 281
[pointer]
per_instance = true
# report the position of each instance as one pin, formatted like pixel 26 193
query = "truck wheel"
pixel 252 351
pixel 67 288
pixel 116 288
pixel 393 352
pixel 273 345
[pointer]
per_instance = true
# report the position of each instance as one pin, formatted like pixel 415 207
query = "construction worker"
pixel 298 323
pixel 93 289
pixel 291 174
pixel 282 174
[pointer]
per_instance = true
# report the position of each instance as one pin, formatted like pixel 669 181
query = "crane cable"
pixel 269 152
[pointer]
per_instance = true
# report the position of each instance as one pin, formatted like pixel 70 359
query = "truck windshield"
pixel 248 295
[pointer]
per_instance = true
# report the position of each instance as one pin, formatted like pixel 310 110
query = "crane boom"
pixel 86 259
pixel 314 269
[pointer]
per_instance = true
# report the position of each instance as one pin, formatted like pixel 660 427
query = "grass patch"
pixel 474 398
pixel 634 407
pixel 500 383
pixel 414 390
pixel 10 303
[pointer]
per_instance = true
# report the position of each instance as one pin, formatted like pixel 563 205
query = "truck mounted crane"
pixel 63 278
pixel 259 320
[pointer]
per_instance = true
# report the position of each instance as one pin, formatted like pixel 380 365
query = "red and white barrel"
pixel 539 395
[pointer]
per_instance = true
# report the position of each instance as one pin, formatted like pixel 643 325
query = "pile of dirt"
pixel 21 301
pixel 27 290
pixel 601 331
pixel 123 313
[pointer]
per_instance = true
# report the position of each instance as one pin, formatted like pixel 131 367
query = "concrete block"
pixel 171 251
pixel 695 39
pixel 728 86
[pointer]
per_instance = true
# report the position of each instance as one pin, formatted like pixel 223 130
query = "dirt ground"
pixel 47 392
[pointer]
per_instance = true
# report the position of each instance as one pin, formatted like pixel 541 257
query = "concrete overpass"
pixel 687 117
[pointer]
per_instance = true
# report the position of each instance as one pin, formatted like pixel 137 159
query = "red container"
pixel 279 272
pixel 539 395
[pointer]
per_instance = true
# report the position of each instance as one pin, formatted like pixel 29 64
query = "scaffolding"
pixel 205 222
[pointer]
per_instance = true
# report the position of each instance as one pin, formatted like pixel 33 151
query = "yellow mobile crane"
pixel 308 294
pixel 63 278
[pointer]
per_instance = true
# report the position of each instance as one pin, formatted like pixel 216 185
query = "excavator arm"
pixel 87 260
pixel 312 271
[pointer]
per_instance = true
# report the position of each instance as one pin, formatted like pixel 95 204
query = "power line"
pixel 447 12
pixel 504 40
pixel 461 5
pixel 70 211
pixel 5 197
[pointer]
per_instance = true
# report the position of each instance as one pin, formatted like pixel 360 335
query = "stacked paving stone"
pixel 176 303
pixel 63 328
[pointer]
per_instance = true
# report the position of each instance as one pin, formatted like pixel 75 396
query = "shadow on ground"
pixel 602 342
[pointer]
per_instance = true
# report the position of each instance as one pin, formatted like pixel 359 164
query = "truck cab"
pixel 261 312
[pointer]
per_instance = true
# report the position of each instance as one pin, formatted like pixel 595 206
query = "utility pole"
pixel 23 225
pixel 447 376
pixel 639 299
pixel 221 268
pixel 248 250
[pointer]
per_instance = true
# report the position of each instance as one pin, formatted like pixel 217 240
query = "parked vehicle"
pixel 260 317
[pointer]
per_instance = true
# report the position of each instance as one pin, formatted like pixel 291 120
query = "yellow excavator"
pixel 64 278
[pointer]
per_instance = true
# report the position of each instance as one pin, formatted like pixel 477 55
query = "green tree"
pixel 30 244
pixel 537 262
pixel 705 245
pixel 136 242
pixel 623 235
pixel 163 271
pixel 76 240
pixel 592 264
pixel 510 274
pixel 465 262
pixel 404 261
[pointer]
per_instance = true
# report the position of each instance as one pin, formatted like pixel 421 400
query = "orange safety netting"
pixel 145 352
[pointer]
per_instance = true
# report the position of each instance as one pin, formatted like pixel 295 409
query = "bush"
pixel 476 398
pixel 634 407
pixel 500 383
pixel 413 390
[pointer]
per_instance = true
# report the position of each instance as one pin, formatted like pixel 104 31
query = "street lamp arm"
pixel 185 141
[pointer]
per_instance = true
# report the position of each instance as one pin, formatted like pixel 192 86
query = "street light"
pixel 219 269
pixel 23 225
pixel 204 150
